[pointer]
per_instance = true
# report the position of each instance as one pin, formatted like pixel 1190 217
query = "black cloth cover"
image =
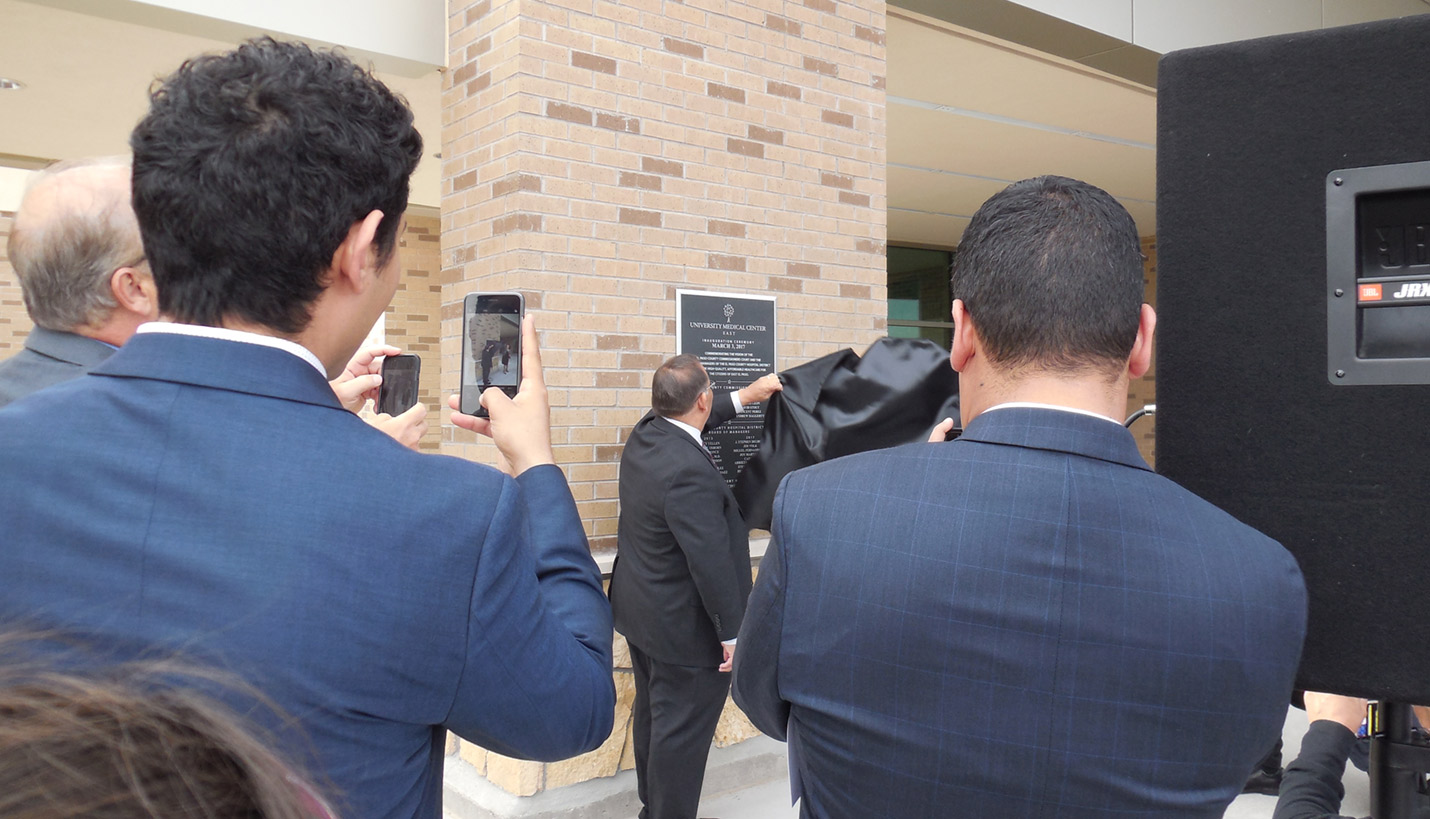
pixel 841 404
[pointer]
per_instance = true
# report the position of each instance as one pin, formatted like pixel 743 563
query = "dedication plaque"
pixel 733 335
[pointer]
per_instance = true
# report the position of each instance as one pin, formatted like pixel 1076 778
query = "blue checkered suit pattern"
pixel 212 498
pixel 1025 622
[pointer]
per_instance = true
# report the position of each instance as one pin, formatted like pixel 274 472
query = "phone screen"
pixel 491 346
pixel 398 392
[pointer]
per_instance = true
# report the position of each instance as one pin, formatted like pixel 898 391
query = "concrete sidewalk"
pixel 751 781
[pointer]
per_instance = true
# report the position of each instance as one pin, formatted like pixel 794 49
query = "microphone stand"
pixel 1398 765
pixel 1150 409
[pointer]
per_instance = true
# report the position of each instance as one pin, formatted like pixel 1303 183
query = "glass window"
pixel 919 299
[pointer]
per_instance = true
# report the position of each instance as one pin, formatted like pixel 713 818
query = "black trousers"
pixel 676 710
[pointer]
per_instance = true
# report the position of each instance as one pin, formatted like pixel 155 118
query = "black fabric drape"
pixel 841 404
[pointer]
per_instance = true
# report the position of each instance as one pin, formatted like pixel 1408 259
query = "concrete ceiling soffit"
pixel 228 31
pixel 1019 24
pixel 87 78
pixel 995 112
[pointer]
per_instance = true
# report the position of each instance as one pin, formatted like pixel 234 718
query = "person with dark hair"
pixel 76 251
pixel 129 741
pixel 680 580
pixel 1026 621
pixel 209 491
pixel 87 286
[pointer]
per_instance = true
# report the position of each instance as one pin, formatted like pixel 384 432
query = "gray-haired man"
pixel 76 250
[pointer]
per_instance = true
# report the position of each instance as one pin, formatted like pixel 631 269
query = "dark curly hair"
pixel 249 170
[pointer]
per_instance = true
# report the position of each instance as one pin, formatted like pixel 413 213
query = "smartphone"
pixel 491 346
pixel 398 392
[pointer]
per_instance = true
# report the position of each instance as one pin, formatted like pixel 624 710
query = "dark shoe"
pixel 1264 781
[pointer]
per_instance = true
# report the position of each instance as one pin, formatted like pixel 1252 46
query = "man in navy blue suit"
pixel 1026 621
pixel 205 492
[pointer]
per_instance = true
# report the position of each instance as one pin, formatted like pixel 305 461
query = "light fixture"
pixel 7 84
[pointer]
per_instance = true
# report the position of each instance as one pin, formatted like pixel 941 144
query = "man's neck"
pixel 693 419
pixel 307 338
pixel 1090 393
pixel 113 332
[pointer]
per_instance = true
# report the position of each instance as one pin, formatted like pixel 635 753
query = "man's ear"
pixel 134 290
pixel 1141 359
pixel 965 337
pixel 357 255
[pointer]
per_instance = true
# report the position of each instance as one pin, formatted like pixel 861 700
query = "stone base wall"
pixel 616 754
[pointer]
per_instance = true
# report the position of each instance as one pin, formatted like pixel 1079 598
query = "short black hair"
pixel 249 170
pixel 1050 269
pixel 677 384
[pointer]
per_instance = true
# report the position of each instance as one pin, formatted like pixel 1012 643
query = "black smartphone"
pixel 491 346
pixel 398 392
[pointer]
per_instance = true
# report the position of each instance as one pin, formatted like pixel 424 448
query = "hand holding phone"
pixel 491 347
pixel 407 428
pixel 359 380
pixel 398 392
pixel 945 430
pixel 521 426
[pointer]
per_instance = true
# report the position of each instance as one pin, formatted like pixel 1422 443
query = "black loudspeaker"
pixel 1251 413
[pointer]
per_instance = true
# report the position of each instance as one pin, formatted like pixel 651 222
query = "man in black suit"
pixel 76 250
pixel 681 578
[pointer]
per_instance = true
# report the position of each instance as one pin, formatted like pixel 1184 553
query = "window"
pixel 919 297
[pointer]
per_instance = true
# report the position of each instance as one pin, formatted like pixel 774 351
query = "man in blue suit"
pixel 203 491
pixel 1027 621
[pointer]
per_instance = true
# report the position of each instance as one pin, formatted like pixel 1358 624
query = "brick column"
pixel 413 317
pixel 15 323
pixel 598 155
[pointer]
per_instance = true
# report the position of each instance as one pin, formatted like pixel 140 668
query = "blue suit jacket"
pixel 48 358
pixel 1024 622
pixel 213 498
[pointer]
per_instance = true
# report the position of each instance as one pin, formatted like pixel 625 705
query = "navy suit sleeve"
pixel 696 517
pixel 757 662
pixel 537 679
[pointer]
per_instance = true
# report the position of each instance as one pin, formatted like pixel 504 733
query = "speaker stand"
pixel 1397 765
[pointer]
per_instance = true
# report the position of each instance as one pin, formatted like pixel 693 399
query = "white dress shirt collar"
pixel 225 334
pixel 695 433
pixel 1035 405
pixel 689 430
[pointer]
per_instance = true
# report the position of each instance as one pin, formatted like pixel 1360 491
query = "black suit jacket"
pixel 682 571
pixel 49 357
